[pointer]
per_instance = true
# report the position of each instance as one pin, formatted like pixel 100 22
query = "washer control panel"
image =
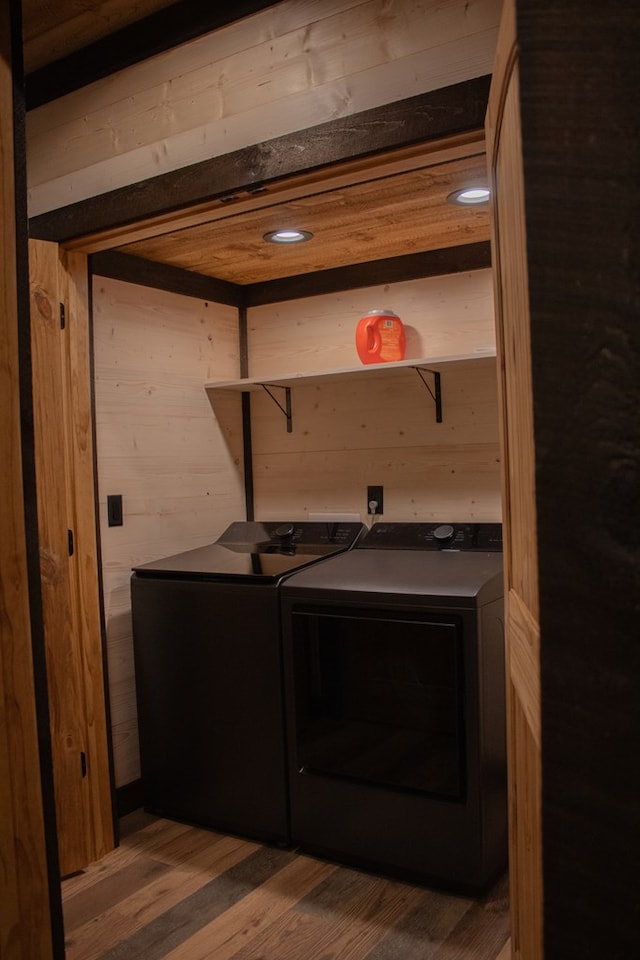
pixel 248 536
pixel 485 537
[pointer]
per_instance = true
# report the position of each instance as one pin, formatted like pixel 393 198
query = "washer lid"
pixel 251 550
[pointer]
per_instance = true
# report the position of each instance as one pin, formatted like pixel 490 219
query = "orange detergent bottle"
pixel 380 337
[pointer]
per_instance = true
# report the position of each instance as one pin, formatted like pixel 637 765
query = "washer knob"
pixel 285 532
pixel 444 533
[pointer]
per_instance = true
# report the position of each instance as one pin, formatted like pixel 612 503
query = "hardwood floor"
pixel 175 892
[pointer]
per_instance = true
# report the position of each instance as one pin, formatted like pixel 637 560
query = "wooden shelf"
pixel 347 373
pixel 431 365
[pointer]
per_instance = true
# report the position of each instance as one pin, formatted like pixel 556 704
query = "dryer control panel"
pixel 484 537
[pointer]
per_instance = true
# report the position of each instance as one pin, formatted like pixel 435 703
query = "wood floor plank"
pixel 355 936
pixel 228 934
pixel 135 821
pixel 291 937
pixel 151 901
pixel 185 918
pixel 422 931
pixel 166 841
pixel 359 930
pixel 196 848
pixel 482 931
pixel 176 892
pixel 505 953
pixel 89 903
pixel 341 919
pixel 172 843
pixel 153 839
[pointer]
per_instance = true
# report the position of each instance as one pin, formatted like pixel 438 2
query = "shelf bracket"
pixel 436 392
pixel 287 401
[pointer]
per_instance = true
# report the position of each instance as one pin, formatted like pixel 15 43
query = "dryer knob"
pixel 444 533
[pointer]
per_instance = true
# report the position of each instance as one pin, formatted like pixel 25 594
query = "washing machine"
pixel 395 703
pixel 208 666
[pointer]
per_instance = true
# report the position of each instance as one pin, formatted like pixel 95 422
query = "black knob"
pixel 444 532
pixel 285 532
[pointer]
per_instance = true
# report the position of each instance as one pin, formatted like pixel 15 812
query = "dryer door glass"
pixel 379 699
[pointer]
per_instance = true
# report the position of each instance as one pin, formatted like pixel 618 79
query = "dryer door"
pixel 379 699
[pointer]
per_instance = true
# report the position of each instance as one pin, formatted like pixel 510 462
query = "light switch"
pixel 114 510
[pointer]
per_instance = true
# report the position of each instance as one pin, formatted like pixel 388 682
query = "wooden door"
pixel 519 508
pixel 68 553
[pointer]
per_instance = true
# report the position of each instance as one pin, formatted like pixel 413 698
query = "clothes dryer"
pixel 395 694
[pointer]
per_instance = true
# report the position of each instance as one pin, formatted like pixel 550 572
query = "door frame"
pixel 74 636
pixel 405 129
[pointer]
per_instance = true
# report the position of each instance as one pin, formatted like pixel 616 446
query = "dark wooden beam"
pixel 154 34
pixel 430 116
pixel 433 263
pixel 146 273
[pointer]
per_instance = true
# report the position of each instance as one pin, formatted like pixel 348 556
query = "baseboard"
pixel 129 798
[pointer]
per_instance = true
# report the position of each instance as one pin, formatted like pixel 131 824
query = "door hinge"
pixel 83 763
pixel 63 316
pixel 70 539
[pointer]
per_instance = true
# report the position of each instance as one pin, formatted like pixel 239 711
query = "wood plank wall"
pixel 443 315
pixel 379 429
pixel 160 447
pixel 283 69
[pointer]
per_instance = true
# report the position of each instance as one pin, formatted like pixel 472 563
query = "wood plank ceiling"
pixel 383 210
pixel 369 219
pixel 53 30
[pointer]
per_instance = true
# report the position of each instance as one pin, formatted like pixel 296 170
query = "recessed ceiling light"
pixel 287 236
pixel 469 196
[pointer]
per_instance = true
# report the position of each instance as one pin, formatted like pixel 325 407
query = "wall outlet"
pixel 375 495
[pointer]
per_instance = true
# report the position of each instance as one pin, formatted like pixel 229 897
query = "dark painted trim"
pixel 413 266
pixel 247 446
pixel 247 449
pixel 29 488
pixel 243 341
pixel 154 34
pixel 130 797
pixel 146 273
pixel 430 116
